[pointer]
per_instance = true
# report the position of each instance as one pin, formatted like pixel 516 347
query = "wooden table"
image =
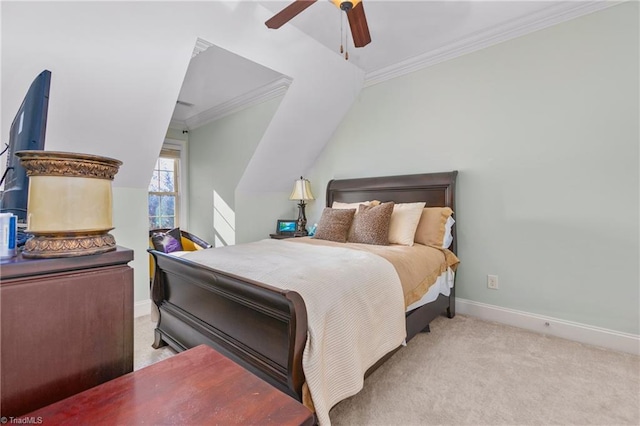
pixel 198 386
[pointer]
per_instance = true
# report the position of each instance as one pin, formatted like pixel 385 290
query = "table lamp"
pixel 301 191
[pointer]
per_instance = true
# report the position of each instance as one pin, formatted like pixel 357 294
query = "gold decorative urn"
pixel 70 205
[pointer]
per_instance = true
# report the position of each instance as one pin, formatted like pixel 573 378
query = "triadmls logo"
pixel 24 420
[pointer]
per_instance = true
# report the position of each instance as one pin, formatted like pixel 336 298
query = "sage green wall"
pixel 544 132
pixel 131 230
pixel 218 155
pixel 259 212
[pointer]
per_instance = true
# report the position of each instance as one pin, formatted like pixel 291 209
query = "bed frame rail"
pixel 260 327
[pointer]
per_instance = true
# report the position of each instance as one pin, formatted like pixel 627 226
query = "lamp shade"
pixel 69 209
pixel 301 190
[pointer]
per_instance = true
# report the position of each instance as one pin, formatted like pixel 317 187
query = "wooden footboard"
pixel 263 328
pixel 260 327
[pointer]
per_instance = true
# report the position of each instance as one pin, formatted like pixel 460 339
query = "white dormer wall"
pixel 117 69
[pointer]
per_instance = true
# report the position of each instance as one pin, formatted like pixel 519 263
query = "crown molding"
pixel 261 94
pixel 553 15
pixel 201 46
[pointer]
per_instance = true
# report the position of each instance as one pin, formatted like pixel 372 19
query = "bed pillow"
pixel 339 205
pixel 334 224
pixel 167 242
pixel 404 222
pixel 371 225
pixel 432 227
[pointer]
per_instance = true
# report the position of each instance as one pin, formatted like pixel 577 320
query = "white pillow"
pixel 404 221
pixel 448 238
pixel 339 205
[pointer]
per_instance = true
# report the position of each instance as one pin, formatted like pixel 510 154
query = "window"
pixel 164 191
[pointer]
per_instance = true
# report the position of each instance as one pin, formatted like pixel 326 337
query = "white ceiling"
pixel 406 35
pixel 404 29
pixel 216 77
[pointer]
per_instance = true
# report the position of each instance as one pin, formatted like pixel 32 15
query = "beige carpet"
pixel 143 353
pixel 472 372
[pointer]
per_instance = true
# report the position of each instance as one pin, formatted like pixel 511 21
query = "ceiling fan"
pixel 353 8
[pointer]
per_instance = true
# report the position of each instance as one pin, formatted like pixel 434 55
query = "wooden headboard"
pixel 435 189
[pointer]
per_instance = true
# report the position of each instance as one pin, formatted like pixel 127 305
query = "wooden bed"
pixel 264 328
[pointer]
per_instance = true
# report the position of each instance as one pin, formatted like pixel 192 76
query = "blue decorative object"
pixel 312 230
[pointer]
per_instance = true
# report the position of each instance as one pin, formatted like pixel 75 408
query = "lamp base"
pixel 301 224
pixel 82 244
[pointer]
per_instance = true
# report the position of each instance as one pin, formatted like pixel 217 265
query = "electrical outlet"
pixel 492 282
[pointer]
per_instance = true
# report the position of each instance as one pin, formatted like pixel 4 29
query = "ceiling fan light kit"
pixel 346 5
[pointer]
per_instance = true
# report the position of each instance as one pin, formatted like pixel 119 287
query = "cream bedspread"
pixel 354 300
pixel 418 266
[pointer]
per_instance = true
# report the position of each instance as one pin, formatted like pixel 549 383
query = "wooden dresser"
pixel 66 326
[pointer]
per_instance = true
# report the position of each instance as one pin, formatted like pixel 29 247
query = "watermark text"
pixel 23 420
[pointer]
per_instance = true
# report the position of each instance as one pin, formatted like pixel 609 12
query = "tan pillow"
pixel 431 227
pixel 334 224
pixel 404 222
pixel 371 225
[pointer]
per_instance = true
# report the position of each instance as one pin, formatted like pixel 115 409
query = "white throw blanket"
pixel 354 300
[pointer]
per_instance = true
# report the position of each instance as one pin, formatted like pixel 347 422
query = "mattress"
pixel 443 285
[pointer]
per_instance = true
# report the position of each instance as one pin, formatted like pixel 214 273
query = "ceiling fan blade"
pixel 359 26
pixel 288 13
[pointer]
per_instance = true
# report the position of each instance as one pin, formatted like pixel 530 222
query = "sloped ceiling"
pixel 217 80
pixel 119 67
pixel 405 29
pixel 406 36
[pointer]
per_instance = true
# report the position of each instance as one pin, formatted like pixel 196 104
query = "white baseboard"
pixel 583 333
pixel 142 308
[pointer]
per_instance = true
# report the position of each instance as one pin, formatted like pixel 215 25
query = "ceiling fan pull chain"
pixel 346 44
pixel 341 32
